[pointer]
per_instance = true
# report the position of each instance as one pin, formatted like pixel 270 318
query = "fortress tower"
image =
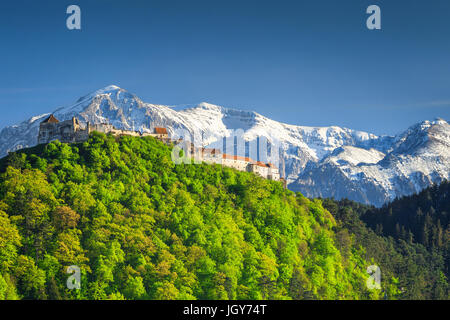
pixel 65 131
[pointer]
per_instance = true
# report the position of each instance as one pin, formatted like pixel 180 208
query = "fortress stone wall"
pixel 71 131
pixel 265 170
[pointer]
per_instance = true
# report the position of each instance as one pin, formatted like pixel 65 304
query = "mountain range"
pixel 327 162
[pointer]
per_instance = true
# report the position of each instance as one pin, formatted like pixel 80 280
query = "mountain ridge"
pixel 314 159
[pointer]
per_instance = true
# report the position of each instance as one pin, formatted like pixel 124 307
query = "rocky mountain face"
pixel 317 161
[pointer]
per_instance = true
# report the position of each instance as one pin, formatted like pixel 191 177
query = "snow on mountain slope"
pixel 419 157
pixel 318 161
pixel 355 156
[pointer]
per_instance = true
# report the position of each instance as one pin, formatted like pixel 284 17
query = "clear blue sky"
pixel 301 62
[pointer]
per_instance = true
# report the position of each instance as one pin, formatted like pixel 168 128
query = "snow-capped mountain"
pixel 417 158
pixel 317 161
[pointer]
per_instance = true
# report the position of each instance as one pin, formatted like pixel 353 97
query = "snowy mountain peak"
pixel 209 106
pixel 111 89
pixel 317 161
pixel 439 121
pixel 426 124
pixel 108 89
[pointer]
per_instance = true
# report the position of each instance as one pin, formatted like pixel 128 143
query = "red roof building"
pixel 51 119
pixel 159 130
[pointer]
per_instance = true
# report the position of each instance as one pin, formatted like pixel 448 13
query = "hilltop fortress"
pixel 208 155
pixel 71 131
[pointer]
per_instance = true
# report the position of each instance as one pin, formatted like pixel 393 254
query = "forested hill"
pixel 409 238
pixel 141 227
pixel 424 217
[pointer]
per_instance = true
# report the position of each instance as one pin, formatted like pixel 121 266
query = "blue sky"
pixel 299 62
